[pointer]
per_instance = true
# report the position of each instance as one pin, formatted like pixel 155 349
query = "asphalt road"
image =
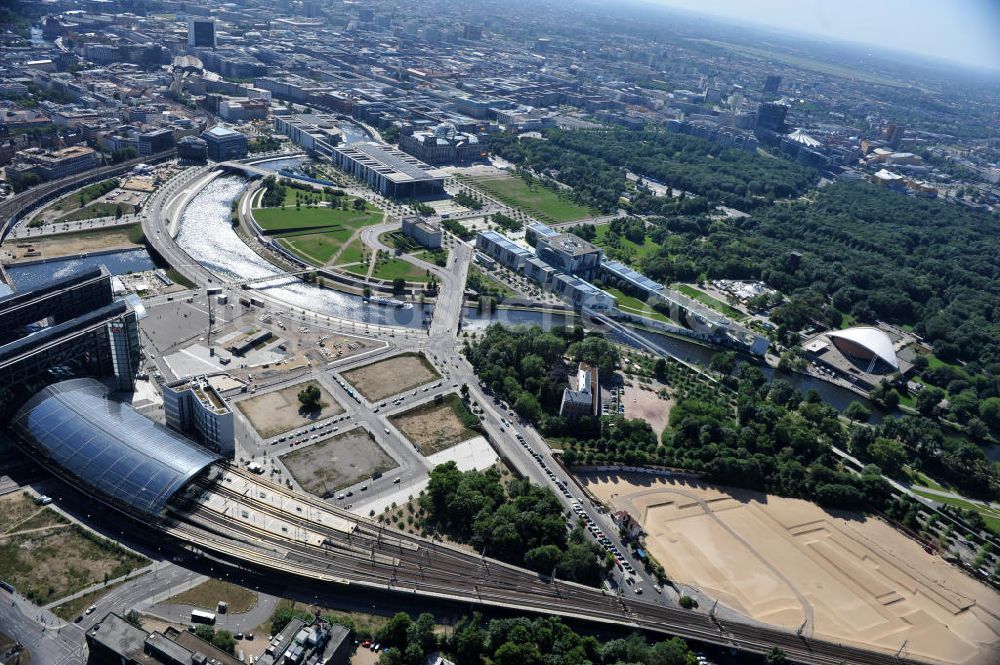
pixel 423 567
pixel 48 638
pixel 442 344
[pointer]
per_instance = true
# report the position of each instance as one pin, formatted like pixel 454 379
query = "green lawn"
pixel 633 305
pixel 630 252
pixel 95 210
pixel 990 517
pixel 289 219
pixel 711 302
pixel 921 478
pixel 316 248
pixel 87 194
pixel 396 268
pixel 933 362
pixel 353 252
pixel 539 201
pixel 430 256
pixel 848 321
pixel 306 191
pixel 316 234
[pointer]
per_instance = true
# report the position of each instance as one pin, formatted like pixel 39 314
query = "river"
pixel 206 235
pixel 353 133
pixel 688 351
pixel 118 263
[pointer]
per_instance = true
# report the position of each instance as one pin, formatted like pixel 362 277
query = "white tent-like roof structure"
pixel 869 339
pixel 800 136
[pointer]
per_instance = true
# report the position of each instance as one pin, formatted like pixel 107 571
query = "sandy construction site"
pixel 787 561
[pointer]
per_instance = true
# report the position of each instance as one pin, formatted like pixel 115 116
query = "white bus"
pixel 198 616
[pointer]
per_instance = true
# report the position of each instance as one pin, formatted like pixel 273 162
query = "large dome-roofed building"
pixel 862 355
pixel 107 448
pixel 865 343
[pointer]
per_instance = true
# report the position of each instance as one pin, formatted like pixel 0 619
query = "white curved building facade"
pixel 865 343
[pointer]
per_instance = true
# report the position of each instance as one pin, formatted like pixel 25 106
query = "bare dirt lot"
pixel 52 562
pixel 280 411
pixel 784 561
pixel 434 427
pixel 67 244
pixel 341 461
pixel 15 508
pixel 647 405
pixel 391 376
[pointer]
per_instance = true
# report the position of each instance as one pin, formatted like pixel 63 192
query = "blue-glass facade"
pixel 106 447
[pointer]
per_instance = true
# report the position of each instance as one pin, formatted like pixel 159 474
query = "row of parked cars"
pixel 622 562
pixel 303 435
pixel 538 458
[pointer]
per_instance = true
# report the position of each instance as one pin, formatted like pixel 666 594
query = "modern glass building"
pixel 106 448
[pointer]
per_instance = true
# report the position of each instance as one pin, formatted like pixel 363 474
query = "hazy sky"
pixel 962 30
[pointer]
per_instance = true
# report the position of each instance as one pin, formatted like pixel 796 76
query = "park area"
pixel 280 411
pixel 316 234
pixel 623 249
pixel 46 558
pixel 391 376
pixel 386 268
pixel 338 462
pixel 437 425
pixel 534 199
pixel 101 199
pixel 786 561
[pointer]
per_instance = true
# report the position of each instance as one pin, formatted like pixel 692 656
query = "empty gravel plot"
pixel 280 411
pixel 435 426
pixel 391 376
pixel 340 461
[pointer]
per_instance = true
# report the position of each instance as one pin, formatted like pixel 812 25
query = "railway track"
pixel 13 208
pixel 372 556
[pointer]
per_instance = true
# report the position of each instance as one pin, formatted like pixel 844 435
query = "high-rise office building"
pixel 201 32
pixel 195 407
pixel 893 134
pixel 772 83
pixel 225 144
pixel 155 141
pixel 771 116
pixel 472 32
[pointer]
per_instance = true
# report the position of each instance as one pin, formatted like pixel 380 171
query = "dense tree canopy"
pixel 520 523
pixel 876 254
pixel 594 165
pixel 523 641
pixel 527 368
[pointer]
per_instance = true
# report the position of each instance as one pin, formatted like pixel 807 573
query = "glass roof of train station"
pixel 108 448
